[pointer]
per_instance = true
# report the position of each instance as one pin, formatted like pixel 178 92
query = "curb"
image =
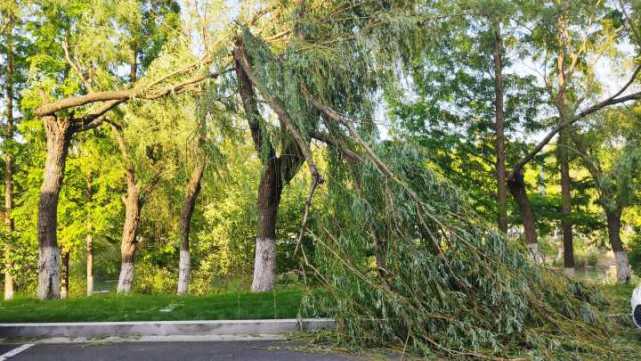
pixel 164 328
pixel 141 339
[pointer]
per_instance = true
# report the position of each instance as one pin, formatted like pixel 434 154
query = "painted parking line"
pixel 15 351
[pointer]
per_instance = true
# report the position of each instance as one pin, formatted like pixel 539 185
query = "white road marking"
pixel 15 351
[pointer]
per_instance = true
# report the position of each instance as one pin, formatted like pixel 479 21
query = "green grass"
pixel 111 307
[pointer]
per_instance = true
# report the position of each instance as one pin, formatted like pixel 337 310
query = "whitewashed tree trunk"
pixel 9 158
pixel 193 189
pixel 126 278
pixel 133 207
pixel 613 217
pixel 535 253
pixel 264 265
pixel 48 273
pixel 184 268
pixel 89 242
pixel 623 266
pixel 59 132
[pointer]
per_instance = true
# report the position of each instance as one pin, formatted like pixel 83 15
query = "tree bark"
pixel 128 244
pixel 566 202
pixel 613 218
pixel 516 184
pixel 277 171
pixel 8 174
pixel 58 133
pixel 89 242
pixel 184 265
pixel 269 192
pixel 64 285
pixel 501 177
pixel 133 206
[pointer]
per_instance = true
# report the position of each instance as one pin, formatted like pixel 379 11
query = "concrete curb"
pixel 164 328
pixel 139 339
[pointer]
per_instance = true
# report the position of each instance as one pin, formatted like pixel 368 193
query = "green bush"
pixel 151 279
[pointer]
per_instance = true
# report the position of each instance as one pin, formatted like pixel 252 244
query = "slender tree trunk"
pixel 193 189
pixel 501 177
pixel 269 192
pixel 129 232
pixel 566 202
pixel 614 234
pixel 8 170
pixel 58 133
pixel 89 245
pixel 561 102
pixel 516 185
pixel 64 285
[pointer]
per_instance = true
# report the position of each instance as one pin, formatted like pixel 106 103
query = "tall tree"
pixel 499 128
pixel 193 189
pixel 277 172
pixel 569 81
pixel 138 188
pixel 610 150
pixel 8 35
pixel 86 74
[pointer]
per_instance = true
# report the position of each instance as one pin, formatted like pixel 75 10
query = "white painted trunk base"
pixel 535 253
pixel 183 272
pixel 126 278
pixel 49 273
pixel 264 265
pixel 89 285
pixel 623 267
pixel 570 272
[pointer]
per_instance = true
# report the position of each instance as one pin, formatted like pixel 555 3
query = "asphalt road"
pixel 171 351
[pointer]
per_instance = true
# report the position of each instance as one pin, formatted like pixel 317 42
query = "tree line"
pixel 136 109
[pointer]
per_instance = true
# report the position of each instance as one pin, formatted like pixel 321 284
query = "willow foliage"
pixel 401 256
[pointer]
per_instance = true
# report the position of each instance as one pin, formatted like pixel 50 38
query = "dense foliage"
pixel 354 147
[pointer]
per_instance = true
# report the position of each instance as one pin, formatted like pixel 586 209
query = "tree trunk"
pixel 501 194
pixel 89 244
pixel 58 133
pixel 89 241
pixel 129 232
pixel 614 234
pixel 566 202
pixel 277 172
pixel 64 285
pixel 516 184
pixel 8 175
pixel 269 192
pixel 184 266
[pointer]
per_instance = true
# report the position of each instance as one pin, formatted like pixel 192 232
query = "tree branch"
pixel 612 100
pixel 279 109
pixel 119 95
pixel 94 120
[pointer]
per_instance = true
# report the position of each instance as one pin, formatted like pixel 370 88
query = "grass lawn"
pixel 112 307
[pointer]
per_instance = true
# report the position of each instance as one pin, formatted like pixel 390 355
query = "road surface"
pixel 168 351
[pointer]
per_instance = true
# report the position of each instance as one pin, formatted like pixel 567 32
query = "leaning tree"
pixel 95 87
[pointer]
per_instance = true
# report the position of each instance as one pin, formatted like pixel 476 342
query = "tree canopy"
pixel 433 171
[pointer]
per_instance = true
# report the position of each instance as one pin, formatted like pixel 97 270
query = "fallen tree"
pixel 401 258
